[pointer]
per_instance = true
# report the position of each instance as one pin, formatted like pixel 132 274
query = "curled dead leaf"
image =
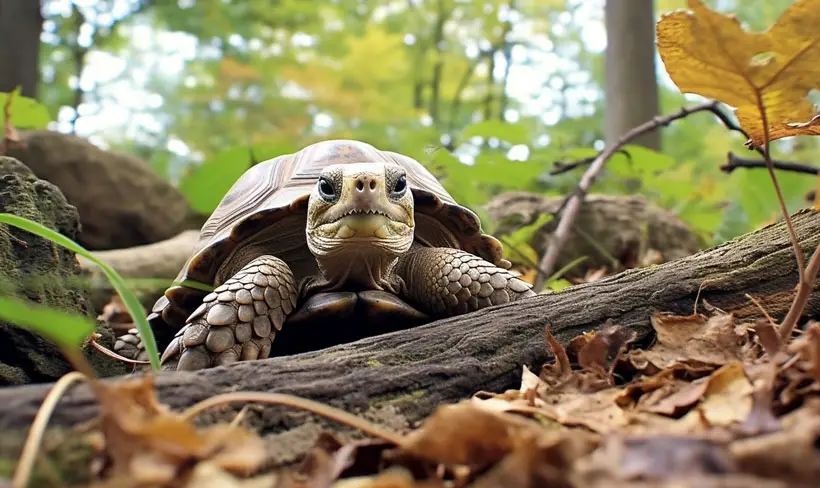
pixel 604 349
pixel 145 442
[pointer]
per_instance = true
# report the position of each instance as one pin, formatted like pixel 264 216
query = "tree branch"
pixel 507 48
pixel 733 162
pixel 574 201
pixel 488 99
pixel 711 106
pixel 462 85
pixel 438 67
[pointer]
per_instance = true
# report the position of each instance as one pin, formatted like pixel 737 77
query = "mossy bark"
pixel 36 269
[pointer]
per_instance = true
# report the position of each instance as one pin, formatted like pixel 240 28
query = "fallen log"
pixel 397 379
pixel 157 260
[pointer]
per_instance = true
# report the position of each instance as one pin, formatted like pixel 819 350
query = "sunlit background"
pixel 487 94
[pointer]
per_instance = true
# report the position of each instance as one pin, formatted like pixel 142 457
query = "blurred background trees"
pixel 488 94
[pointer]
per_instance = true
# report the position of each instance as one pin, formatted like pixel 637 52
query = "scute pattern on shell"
pixel 281 186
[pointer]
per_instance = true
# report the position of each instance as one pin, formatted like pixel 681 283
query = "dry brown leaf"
pixel 465 434
pixel 546 461
pixel 696 338
pixel 604 349
pixel 768 337
pixel 710 54
pixel 726 399
pixel 790 454
pixel 146 442
pixel 595 274
pixel 561 368
pixel 682 398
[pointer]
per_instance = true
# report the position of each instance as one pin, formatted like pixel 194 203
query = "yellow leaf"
pixel 710 54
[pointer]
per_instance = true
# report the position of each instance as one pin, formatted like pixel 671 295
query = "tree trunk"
pixel 398 379
pixel 21 22
pixel 631 88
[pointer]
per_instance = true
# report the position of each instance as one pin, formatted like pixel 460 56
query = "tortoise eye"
pixel 401 185
pixel 326 189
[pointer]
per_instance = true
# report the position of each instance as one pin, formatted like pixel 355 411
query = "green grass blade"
pixel 128 297
pixel 566 268
pixel 71 331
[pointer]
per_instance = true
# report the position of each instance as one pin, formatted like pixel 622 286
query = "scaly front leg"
pixel 238 321
pixel 452 282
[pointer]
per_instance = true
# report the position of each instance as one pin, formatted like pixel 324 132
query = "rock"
pixel 623 226
pixel 122 201
pixel 35 269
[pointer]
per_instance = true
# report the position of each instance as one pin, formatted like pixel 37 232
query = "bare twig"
pixel 108 352
pixel 574 202
pixel 559 167
pixel 804 288
pixel 293 401
pixel 713 106
pixel 785 327
pixel 734 161
pixel 22 474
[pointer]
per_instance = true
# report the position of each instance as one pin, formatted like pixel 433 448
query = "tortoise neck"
pixel 358 268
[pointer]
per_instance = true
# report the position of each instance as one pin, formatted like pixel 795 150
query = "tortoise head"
pixel 360 208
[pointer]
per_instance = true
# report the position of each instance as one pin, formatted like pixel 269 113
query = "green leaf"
pixel 207 184
pixel 515 133
pixel 63 328
pixel 575 262
pixel 26 113
pixel 757 196
pixel 526 233
pixel 641 162
pixel 518 241
pixel 128 297
pixel 558 285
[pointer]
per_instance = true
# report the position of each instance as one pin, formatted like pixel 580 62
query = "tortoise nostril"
pixel 360 185
pixel 372 184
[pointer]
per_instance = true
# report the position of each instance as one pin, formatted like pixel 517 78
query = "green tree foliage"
pixel 486 94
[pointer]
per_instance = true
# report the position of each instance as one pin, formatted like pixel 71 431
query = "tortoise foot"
pixel 238 321
pixel 130 346
pixel 452 282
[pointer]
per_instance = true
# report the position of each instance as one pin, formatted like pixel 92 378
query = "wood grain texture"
pixel 398 378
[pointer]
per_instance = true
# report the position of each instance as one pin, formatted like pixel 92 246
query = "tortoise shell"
pixel 266 209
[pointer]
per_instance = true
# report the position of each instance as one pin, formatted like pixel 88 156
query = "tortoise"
pixel 337 229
